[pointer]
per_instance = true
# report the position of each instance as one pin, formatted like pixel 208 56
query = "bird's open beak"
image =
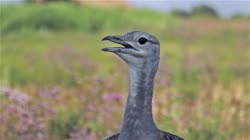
pixel 118 40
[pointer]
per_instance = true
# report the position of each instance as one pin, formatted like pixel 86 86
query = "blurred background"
pixel 55 83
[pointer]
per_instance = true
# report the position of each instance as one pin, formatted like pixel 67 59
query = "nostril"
pixel 117 38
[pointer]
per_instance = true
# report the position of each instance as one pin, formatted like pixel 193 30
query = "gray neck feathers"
pixel 138 120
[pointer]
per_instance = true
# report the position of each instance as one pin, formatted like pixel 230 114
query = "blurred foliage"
pixel 62 16
pixel 46 1
pixel 197 11
pixel 62 125
pixel 240 16
pixel 181 13
pixel 204 10
pixel 201 88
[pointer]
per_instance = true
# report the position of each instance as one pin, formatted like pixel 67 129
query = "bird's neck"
pixel 138 117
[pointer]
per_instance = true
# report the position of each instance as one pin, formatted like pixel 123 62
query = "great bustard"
pixel 141 52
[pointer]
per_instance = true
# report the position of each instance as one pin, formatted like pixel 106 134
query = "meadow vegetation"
pixel 55 83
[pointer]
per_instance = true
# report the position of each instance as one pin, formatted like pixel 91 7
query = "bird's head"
pixel 139 48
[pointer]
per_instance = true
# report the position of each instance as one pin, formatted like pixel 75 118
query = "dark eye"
pixel 142 40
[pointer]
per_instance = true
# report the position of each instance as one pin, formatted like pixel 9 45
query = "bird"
pixel 141 52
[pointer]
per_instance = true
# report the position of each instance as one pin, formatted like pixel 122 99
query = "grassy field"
pixel 56 83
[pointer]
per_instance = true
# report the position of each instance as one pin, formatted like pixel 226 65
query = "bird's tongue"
pixel 112 49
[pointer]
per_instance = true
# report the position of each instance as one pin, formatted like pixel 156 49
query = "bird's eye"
pixel 142 40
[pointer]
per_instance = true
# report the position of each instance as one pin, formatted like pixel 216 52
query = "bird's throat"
pixel 138 117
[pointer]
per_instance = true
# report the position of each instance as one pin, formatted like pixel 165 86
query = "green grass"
pixel 62 16
pixel 201 86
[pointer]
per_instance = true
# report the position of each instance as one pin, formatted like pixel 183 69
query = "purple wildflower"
pixel 82 134
pixel 112 96
pixel 15 95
